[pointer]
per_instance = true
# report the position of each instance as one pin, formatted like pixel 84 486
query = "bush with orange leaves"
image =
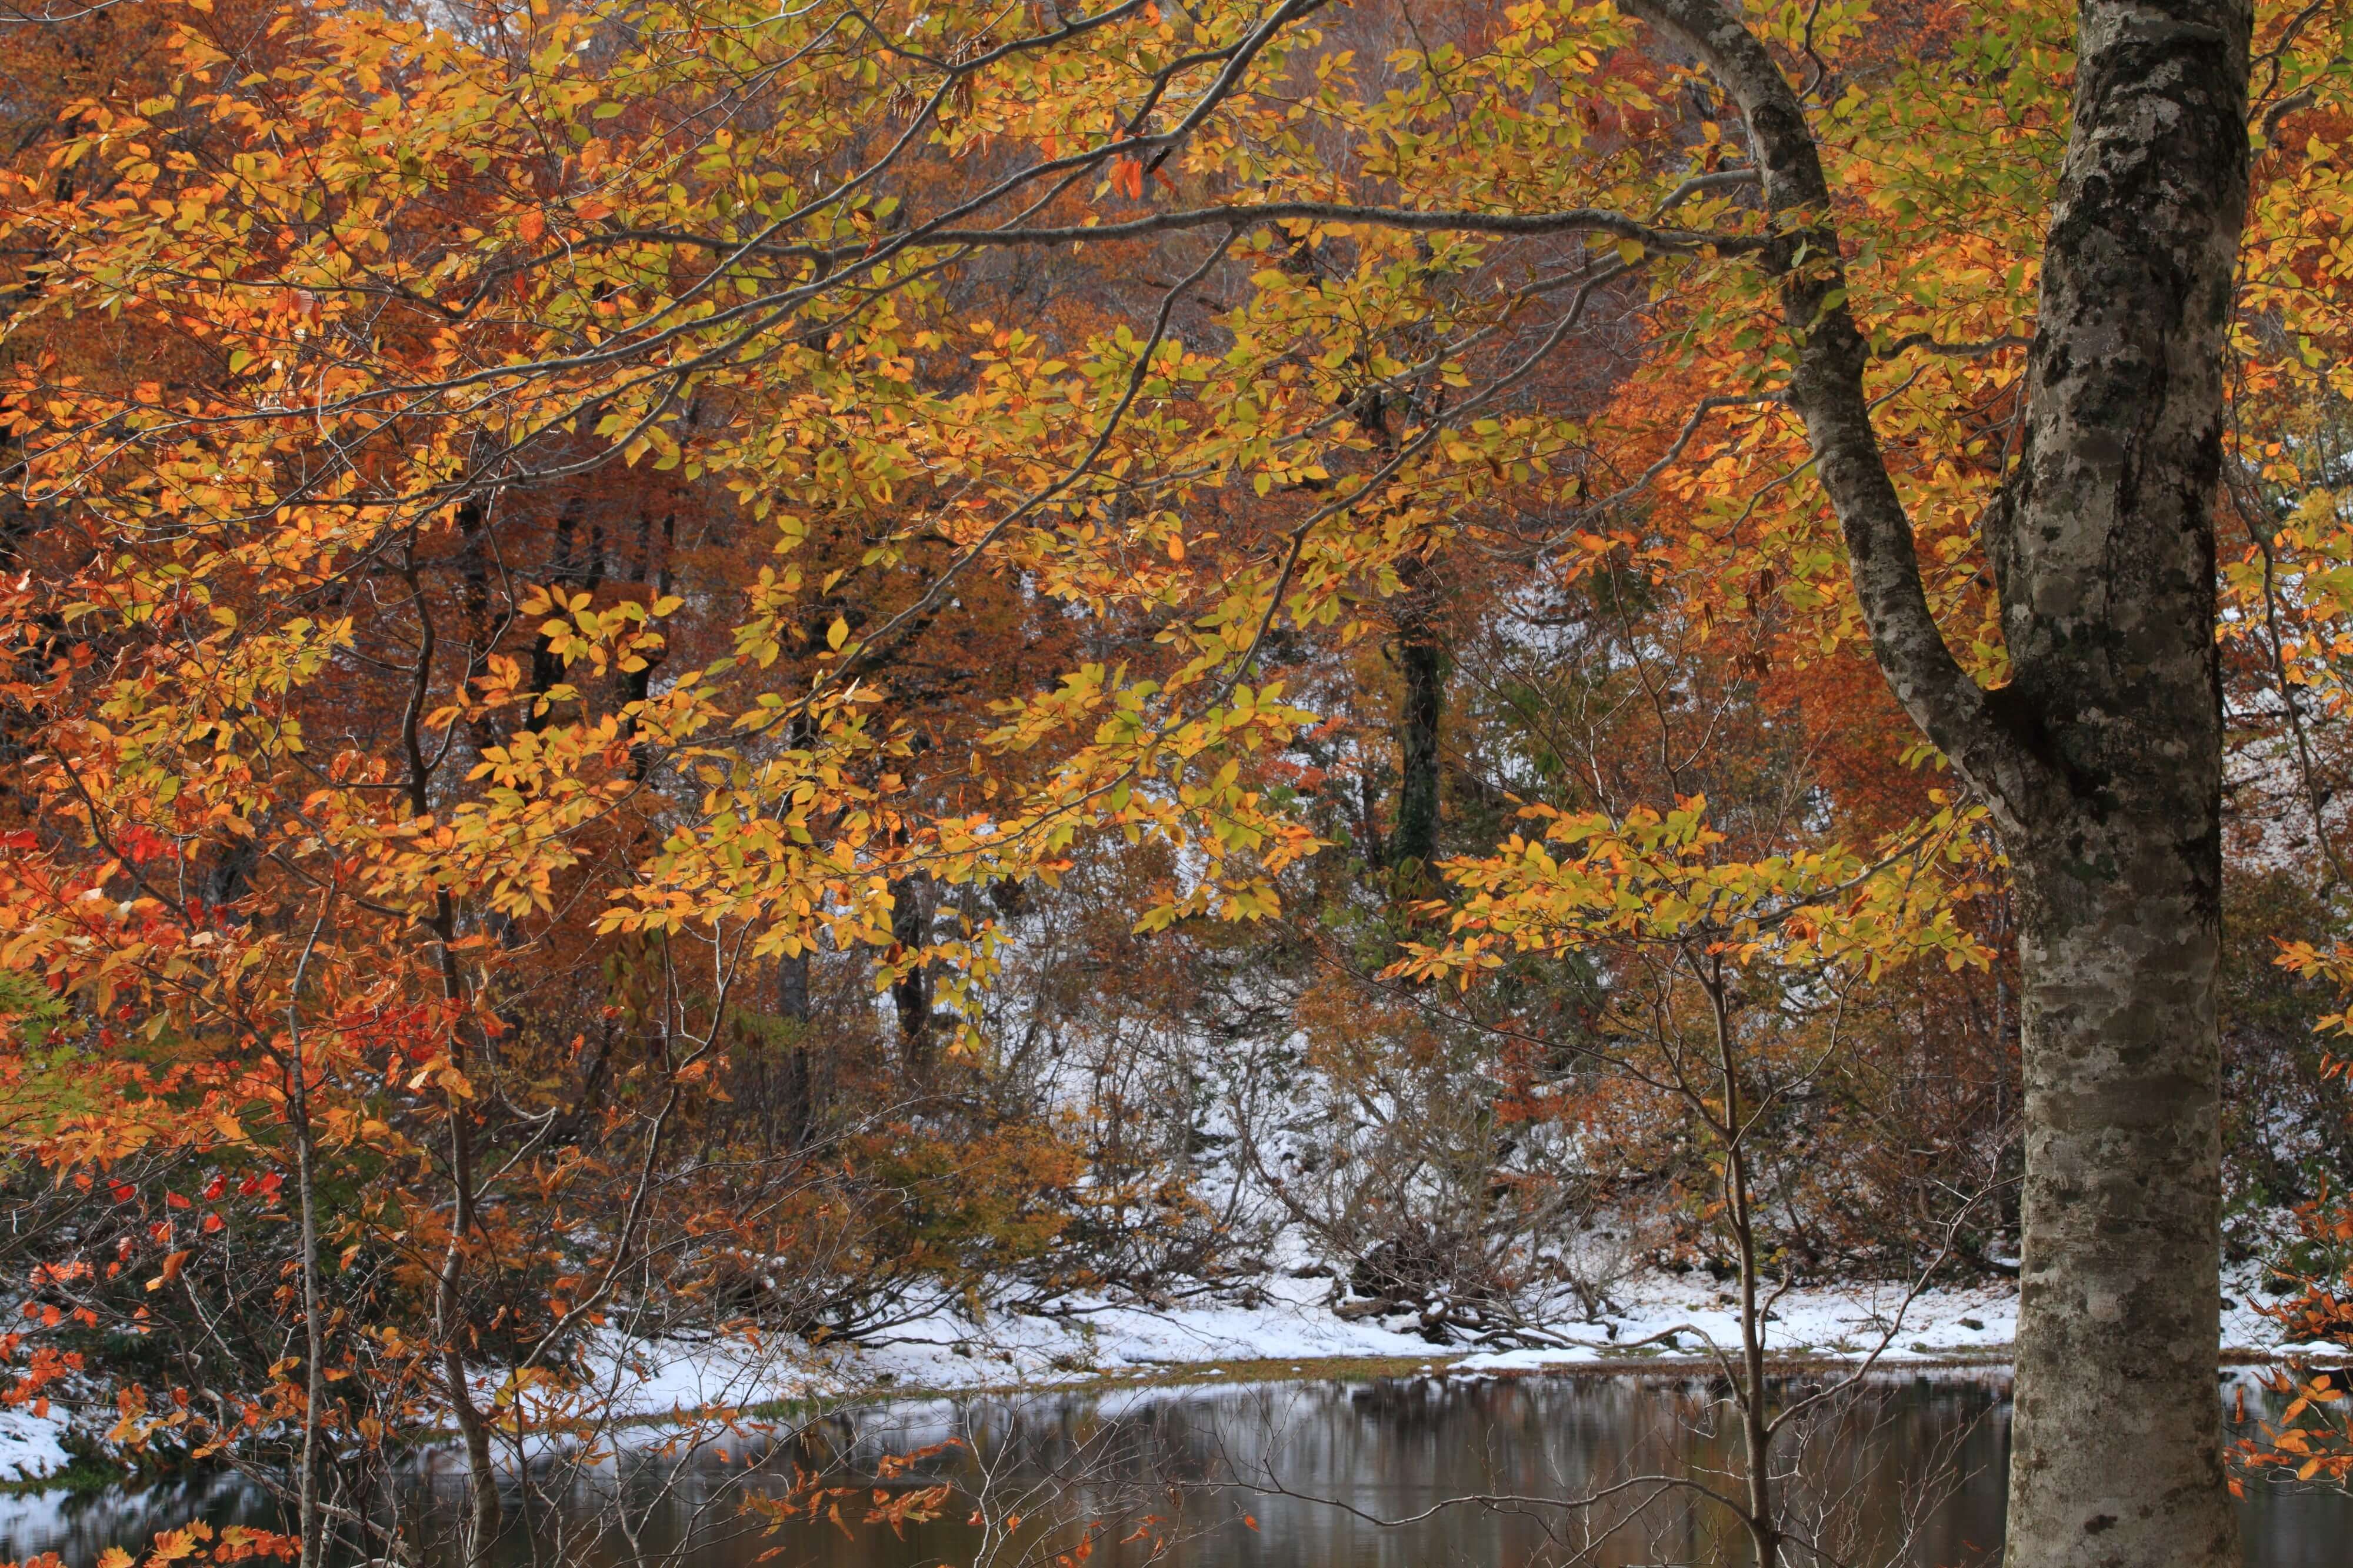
pixel 2311 1436
pixel 233 1544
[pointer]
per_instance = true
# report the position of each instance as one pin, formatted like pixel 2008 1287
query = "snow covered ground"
pixel 1667 1319
pixel 31 1446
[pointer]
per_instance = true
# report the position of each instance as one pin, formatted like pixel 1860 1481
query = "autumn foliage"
pixel 690 665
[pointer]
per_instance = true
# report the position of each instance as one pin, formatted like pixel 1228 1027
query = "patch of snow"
pixel 32 1447
pixel 643 1392
pixel 1662 1320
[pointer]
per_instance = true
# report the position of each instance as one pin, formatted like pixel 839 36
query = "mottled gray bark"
pixel 2115 1438
pixel 2107 568
pixel 2101 759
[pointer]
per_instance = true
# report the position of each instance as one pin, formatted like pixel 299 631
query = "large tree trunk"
pixel 2102 757
pixel 2115 1441
pixel 2105 562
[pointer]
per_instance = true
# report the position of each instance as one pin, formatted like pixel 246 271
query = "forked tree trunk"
pixel 2102 757
pixel 2105 562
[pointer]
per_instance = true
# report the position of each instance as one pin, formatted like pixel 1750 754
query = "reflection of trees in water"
pixel 81 1525
pixel 1608 1472
pixel 1421 1471
pixel 1906 1471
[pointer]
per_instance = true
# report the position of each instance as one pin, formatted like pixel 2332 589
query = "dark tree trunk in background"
pixel 796 1107
pixel 1421 662
pixel 2101 759
pixel 911 993
pixel 564 568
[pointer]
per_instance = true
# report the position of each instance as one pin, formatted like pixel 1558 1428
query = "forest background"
pixel 692 672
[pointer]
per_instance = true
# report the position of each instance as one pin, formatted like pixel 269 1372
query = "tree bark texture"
pixel 2106 564
pixel 2101 759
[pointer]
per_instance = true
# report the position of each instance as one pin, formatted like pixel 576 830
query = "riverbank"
pixel 1663 1321
pixel 1285 1327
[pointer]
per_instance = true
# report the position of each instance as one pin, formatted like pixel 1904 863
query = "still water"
pixel 1370 1475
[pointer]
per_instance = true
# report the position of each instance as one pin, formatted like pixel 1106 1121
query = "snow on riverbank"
pixel 31 1446
pixel 1666 1320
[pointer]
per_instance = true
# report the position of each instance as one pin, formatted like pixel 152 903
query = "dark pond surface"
pixel 1300 1475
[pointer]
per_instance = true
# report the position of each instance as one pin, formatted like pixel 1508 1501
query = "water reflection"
pixel 1300 1475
